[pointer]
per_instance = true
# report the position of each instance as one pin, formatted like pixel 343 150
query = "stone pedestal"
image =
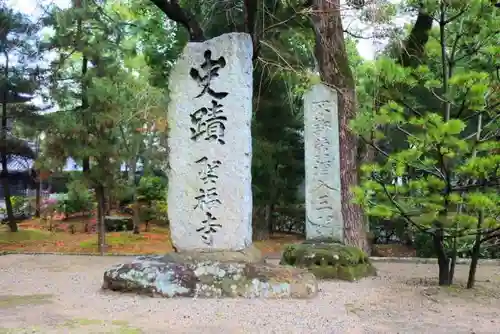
pixel 327 259
pixel 210 275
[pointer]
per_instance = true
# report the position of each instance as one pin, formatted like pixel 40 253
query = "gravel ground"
pixel 62 295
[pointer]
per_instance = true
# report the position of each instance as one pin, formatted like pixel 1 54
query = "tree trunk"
pixel 136 217
pixel 101 228
pixel 107 202
pixel 443 259
pixel 259 227
pixel 453 261
pixel 38 197
pixel 269 218
pixel 334 68
pixel 5 169
pixel 475 253
pixel 135 205
pixel 6 191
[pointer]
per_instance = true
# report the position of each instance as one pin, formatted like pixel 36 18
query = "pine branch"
pixel 176 13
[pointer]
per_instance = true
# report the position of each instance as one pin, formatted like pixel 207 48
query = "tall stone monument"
pixel 322 164
pixel 323 252
pixel 211 145
pixel 210 195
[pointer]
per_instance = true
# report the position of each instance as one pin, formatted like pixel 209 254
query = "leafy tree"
pixel 110 113
pixel 434 126
pixel 151 194
pixel 19 81
pixel 85 81
pixel 143 125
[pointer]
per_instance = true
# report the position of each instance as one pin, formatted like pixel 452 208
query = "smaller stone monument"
pixel 323 252
pixel 322 163
pixel 210 194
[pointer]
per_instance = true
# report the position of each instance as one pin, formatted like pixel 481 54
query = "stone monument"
pixel 211 146
pixel 322 164
pixel 323 252
pixel 210 195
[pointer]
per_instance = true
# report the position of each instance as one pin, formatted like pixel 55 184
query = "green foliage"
pixel 434 128
pixel 151 188
pixel 117 223
pixel 18 204
pixel 424 247
pixel 19 81
pixel 78 199
pixel 388 231
pixel 161 211
pixel 151 193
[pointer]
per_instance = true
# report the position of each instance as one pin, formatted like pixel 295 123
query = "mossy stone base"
pixel 163 276
pixel 249 255
pixel 329 260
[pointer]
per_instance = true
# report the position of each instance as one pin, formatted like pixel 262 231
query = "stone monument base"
pixel 329 259
pixel 210 275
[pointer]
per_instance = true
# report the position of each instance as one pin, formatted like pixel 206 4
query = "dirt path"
pixel 61 294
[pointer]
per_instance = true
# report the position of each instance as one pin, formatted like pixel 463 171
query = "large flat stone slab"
pixel 157 277
pixel 210 143
pixel 322 164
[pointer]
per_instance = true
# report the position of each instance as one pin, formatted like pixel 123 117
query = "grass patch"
pixel 91 326
pixel 114 240
pixel 31 330
pixel 118 326
pixel 76 323
pixel 8 301
pixel 159 230
pixel 7 237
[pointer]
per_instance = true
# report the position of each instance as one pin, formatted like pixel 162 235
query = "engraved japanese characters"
pixel 322 163
pixel 210 199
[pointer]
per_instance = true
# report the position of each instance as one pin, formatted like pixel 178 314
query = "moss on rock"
pixel 329 260
pixel 163 277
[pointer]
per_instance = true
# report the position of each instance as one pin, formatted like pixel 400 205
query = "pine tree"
pixel 18 85
pixel 101 84
pixel 436 135
pixel 84 128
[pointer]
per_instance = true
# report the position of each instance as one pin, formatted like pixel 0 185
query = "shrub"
pixel 124 195
pixel 19 205
pixel 388 231
pixel 78 199
pixel 424 247
pixel 117 223
pixel 161 211
pixel 423 244
pixel 151 188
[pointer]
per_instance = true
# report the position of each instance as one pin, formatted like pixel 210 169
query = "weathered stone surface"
pixel 329 260
pixel 249 255
pixel 153 276
pixel 210 195
pixel 322 164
